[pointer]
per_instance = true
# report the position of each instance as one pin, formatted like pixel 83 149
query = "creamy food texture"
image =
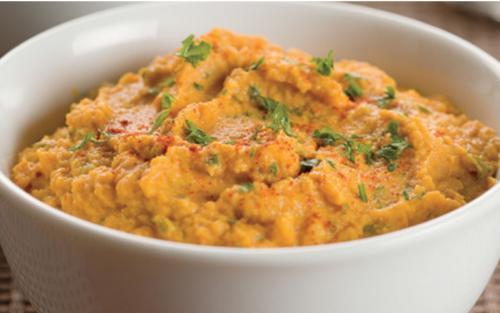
pixel 233 141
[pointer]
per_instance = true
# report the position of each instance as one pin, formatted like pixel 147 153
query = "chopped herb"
pixel 354 90
pixel 351 76
pixel 274 169
pixel 407 197
pixel 168 83
pixel 159 121
pixel 378 194
pixel 392 151
pixel 255 65
pixel 390 94
pixel 167 100
pixel 308 165
pixel 223 92
pixel 362 193
pixel 349 151
pixel 198 86
pixel 367 150
pixel 331 164
pixel 252 152
pixel 372 228
pixel 481 168
pixel 105 134
pixel 247 186
pixel 424 109
pixel 153 91
pixel 238 101
pixel 214 159
pixel 232 142
pixel 231 221
pixel 328 135
pixel 196 135
pixel 354 136
pixel 278 112
pixel 193 53
pixel 254 136
pixel 324 66
pixel 87 137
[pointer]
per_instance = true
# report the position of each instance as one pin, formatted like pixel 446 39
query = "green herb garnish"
pixel 372 228
pixel 367 150
pixel 481 168
pixel 392 151
pixel 255 65
pixel 252 152
pixel 223 92
pixel 105 134
pixel 193 53
pixel 214 159
pixel 324 66
pixel 196 135
pixel 167 100
pixel 390 94
pixel 231 142
pixel 159 121
pixel 198 86
pixel 349 145
pixel 254 136
pixel 153 91
pixel 331 164
pixel 362 192
pixel 424 109
pixel 353 90
pixel 274 169
pixel 168 83
pixel 307 165
pixel 247 186
pixel 328 135
pixel 82 143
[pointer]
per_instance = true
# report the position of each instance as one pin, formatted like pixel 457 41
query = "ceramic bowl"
pixel 65 264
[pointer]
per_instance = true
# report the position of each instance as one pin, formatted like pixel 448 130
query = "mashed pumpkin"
pixel 234 142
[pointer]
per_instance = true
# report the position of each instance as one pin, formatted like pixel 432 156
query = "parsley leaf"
pixel 168 83
pixel 328 135
pixel 193 53
pixel 198 86
pixel 196 135
pixel 252 152
pixel 82 143
pixel 362 192
pixel 281 117
pixel 331 164
pixel 105 134
pixel 247 186
pixel 167 100
pixel 354 90
pixel 407 197
pixel 214 159
pixel 274 168
pixel 231 142
pixel 255 65
pixel 390 94
pixel 324 66
pixel 392 151
pixel 424 109
pixel 349 145
pixel 254 136
pixel 159 121
pixel 307 165
pixel 367 150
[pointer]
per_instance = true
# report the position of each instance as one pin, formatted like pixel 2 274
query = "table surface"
pixel 480 31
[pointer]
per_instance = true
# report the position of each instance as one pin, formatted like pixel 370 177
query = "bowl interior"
pixel 38 79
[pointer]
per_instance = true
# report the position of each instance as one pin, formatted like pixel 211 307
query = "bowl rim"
pixel 9 189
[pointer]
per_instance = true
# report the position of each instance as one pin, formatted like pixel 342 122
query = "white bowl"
pixel 65 264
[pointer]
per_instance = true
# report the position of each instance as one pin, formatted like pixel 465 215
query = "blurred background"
pixel 473 21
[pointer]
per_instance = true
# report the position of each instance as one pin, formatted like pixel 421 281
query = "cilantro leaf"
pixel 214 159
pixel 193 53
pixel 82 143
pixel 168 83
pixel 324 66
pixel 159 121
pixel 367 150
pixel 362 192
pixel 390 94
pixel 274 168
pixel 392 151
pixel 198 86
pixel 196 135
pixel 247 186
pixel 254 136
pixel 307 165
pixel 281 117
pixel 328 135
pixel 167 100
pixel 354 90
pixel 255 65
